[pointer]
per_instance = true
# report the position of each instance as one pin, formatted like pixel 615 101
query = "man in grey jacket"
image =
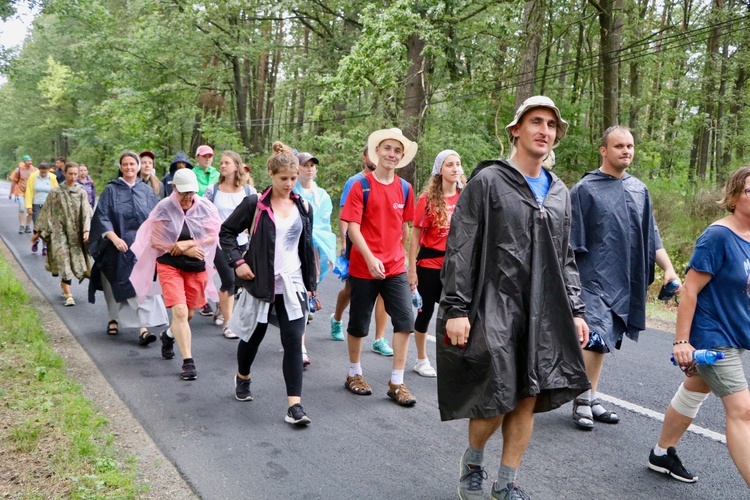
pixel 511 315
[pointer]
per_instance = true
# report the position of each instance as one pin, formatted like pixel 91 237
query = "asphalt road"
pixel 367 447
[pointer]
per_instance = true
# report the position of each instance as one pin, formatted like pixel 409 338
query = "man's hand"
pixel 671 275
pixel 582 329
pixel 457 330
pixel 85 236
pixel 244 272
pixel 376 268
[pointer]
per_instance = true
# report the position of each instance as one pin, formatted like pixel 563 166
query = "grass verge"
pixel 53 442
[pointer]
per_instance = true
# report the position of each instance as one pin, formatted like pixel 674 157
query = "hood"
pixel 180 156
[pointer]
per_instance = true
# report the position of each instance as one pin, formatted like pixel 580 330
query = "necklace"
pixel 745 232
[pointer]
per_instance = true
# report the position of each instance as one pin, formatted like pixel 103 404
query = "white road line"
pixel 701 431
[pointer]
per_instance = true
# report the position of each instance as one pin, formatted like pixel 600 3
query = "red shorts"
pixel 181 287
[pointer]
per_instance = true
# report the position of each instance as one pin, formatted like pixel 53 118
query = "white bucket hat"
pixel 184 181
pixel 410 147
pixel 538 101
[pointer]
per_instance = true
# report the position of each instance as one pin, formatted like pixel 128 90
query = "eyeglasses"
pixel 186 194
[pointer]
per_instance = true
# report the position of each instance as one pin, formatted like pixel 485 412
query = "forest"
pixel 96 77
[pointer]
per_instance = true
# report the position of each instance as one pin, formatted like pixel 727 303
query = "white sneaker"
pixel 230 334
pixel 218 318
pixel 425 369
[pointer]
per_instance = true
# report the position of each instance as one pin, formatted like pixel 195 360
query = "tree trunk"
pixel 415 99
pixel 533 19
pixel 610 43
pixel 240 100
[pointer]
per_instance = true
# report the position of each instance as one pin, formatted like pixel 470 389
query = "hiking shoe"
pixel 229 334
pixel 510 492
pixel 44 251
pixel 296 415
pixel 27 229
pixel 470 479
pixel 206 310
pixel 425 369
pixel 69 301
pixel 20 229
pixel 337 330
pixel 35 246
pixel 167 345
pixel 218 318
pixel 188 371
pixel 401 395
pixel 381 346
pixel 357 385
pixel 671 465
pixel 242 389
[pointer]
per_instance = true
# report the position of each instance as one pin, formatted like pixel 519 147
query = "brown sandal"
pixel 357 385
pixel 112 328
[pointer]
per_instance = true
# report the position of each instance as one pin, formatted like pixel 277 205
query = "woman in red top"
pixel 432 220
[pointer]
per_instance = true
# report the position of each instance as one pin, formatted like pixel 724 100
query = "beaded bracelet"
pixel 680 342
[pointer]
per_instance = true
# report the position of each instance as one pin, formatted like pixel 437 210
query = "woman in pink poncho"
pixel 178 238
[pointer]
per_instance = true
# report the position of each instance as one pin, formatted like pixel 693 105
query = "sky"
pixel 13 31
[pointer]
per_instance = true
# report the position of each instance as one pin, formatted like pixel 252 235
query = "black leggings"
pixel 430 287
pixel 291 338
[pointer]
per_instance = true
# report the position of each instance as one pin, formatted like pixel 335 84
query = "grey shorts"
pixel 396 295
pixel 21 200
pixel 726 376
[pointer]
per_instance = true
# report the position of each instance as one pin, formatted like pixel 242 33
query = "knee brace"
pixel 688 402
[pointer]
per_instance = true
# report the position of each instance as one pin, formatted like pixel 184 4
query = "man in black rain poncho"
pixel 616 242
pixel 511 314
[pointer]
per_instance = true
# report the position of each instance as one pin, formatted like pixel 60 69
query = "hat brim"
pixel 562 125
pixel 377 137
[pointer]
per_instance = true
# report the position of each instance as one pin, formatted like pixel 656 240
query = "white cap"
pixel 185 181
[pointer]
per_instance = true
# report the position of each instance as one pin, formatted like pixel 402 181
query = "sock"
pixel 588 395
pixel 659 451
pixel 424 361
pixel 355 369
pixel 506 475
pixel 474 456
pixel 186 360
pixel 169 333
pixel 397 377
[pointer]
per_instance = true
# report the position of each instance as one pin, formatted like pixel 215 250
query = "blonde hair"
pixel 242 177
pixel 734 188
pixel 283 158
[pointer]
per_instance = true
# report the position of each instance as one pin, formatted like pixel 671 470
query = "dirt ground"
pixel 154 469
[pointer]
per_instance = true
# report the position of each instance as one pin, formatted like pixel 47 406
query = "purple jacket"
pixel 90 189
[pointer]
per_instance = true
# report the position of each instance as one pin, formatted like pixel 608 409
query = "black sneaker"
pixel 671 465
pixel 206 310
pixel 167 346
pixel 242 389
pixel 296 415
pixel 188 371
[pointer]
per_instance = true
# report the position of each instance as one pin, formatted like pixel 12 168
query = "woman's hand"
pixel 195 251
pixel 411 275
pixel 30 211
pixel 244 272
pixel 118 242
pixel 85 236
pixel 34 238
pixel 683 354
pixel 181 247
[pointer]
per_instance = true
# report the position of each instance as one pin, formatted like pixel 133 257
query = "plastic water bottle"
pixel 704 357
pixel 416 300
pixel 668 290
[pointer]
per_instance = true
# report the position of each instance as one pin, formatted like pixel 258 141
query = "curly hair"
pixel 436 200
pixel 282 158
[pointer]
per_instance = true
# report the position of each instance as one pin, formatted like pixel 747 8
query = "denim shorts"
pixel 726 376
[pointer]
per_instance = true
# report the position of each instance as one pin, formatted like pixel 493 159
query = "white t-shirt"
pixel 225 204
pixel 286 254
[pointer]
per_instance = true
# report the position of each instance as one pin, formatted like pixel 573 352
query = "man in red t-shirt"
pixel 377 220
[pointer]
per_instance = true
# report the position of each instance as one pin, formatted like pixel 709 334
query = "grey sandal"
pixel 582 415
